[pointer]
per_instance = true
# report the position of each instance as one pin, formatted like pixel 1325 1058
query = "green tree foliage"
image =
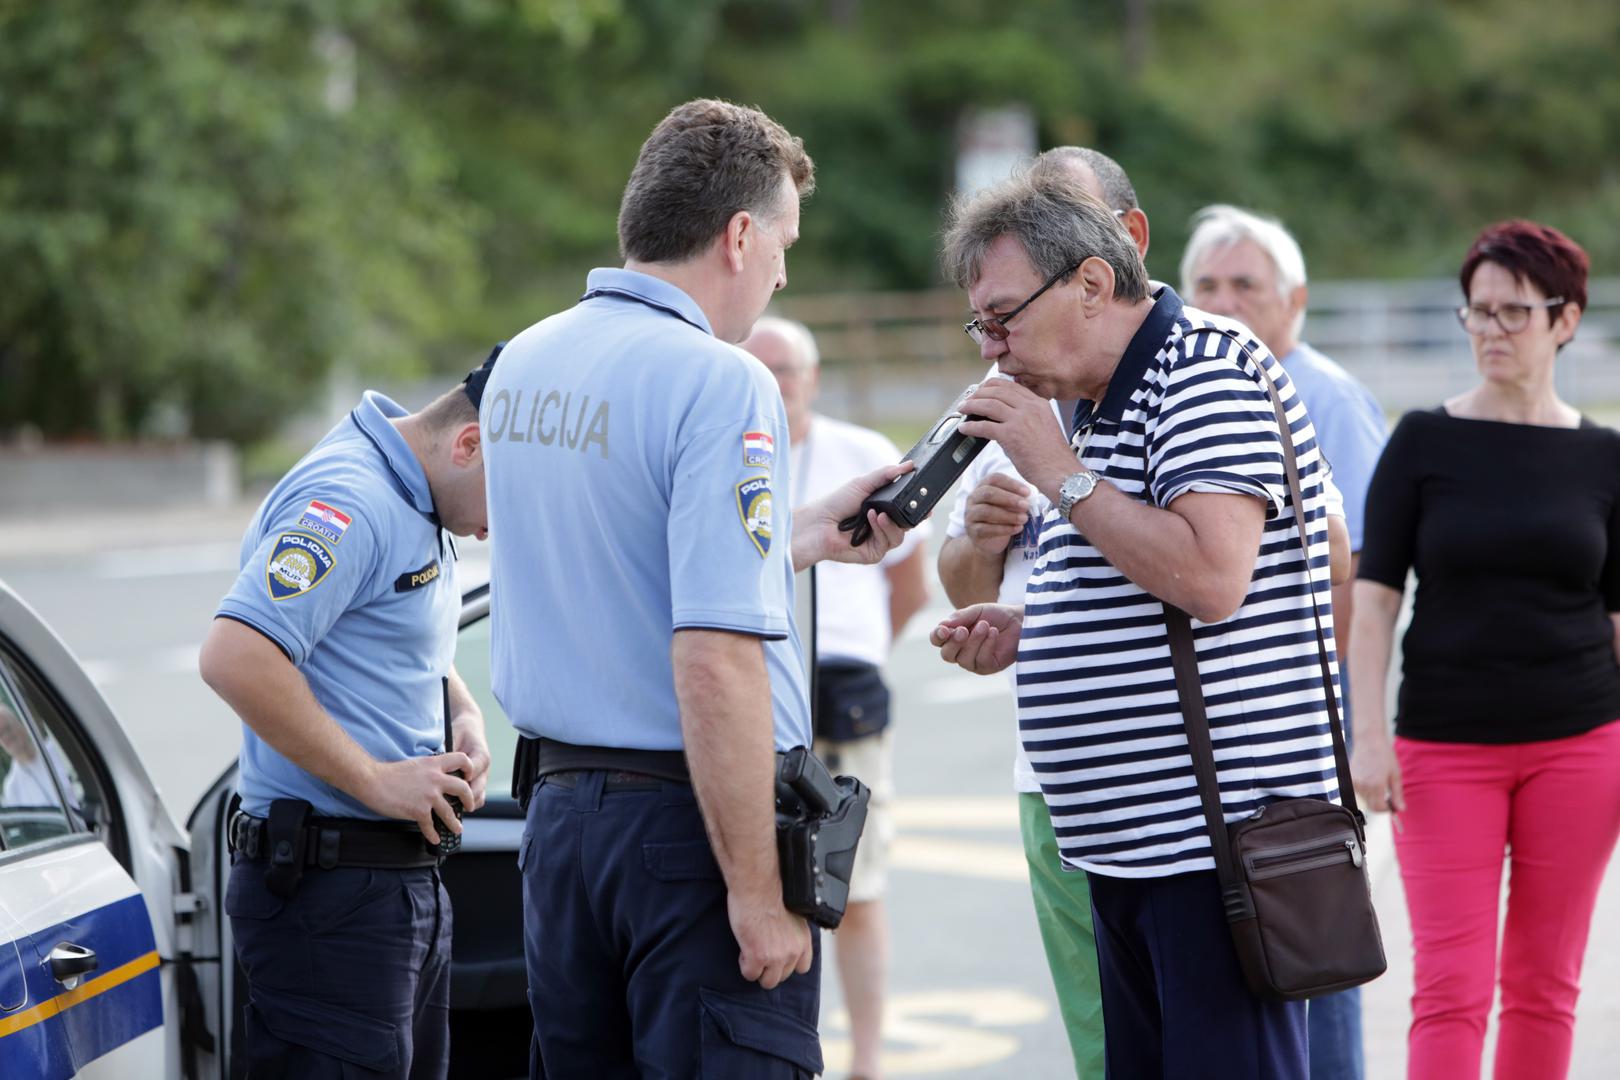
pixel 191 215
pixel 189 218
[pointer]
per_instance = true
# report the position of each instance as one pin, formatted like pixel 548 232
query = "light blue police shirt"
pixel 346 570
pixel 1349 426
pixel 633 465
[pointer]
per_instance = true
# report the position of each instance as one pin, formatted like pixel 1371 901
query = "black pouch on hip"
pixel 818 826
pixel 852 701
pixel 286 838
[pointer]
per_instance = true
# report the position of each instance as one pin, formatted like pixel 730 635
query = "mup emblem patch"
pixel 324 520
pixel 758 449
pixel 754 507
pixel 297 564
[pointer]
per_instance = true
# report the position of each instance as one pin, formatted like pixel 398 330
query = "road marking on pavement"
pixel 967 858
pixel 925 1033
pixel 173 561
pixel 914 848
pixel 957 812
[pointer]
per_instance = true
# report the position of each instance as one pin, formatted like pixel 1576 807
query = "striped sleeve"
pixel 1215 430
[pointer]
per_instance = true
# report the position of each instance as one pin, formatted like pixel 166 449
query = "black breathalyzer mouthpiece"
pixel 941 456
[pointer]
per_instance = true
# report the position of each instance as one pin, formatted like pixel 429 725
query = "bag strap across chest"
pixel 1189 687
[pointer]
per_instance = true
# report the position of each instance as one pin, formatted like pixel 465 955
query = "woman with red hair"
pixel 1505 501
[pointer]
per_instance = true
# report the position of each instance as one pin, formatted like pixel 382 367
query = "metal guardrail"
pixel 902 356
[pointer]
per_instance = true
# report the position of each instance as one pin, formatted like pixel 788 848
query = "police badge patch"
pixel 754 507
pixel 297 564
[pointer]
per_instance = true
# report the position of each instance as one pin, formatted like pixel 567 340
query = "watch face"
pixel 1074 489
pixel 1079 485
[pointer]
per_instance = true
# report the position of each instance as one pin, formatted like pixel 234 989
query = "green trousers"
pixel 1063 912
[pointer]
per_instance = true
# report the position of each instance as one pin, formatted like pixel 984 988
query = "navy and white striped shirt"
pixel 1186 410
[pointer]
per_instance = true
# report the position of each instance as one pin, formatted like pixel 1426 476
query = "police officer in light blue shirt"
pixel 690 539
pixel 335 647
pixel 641 611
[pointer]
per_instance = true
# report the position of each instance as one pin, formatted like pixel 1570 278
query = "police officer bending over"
pixel 641 611
pixel 335 647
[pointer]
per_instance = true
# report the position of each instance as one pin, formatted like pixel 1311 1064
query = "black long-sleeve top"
pixel 1514 531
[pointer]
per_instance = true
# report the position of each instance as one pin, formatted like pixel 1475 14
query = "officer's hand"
pixel 996 512
pixel 775 942
pixel 815 525
pixel 470 741
pixel 982 638
pixel 417 788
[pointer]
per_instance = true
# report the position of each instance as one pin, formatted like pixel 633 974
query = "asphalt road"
pixel 970 995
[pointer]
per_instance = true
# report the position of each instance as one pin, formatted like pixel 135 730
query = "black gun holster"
pixel 818 826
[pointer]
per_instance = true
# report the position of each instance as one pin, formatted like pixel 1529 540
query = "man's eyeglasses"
pixel 1510 317
pixel 994 327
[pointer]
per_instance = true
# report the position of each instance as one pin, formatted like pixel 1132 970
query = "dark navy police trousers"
pixel 1174 1001
pixel 349 978
pixel 632 963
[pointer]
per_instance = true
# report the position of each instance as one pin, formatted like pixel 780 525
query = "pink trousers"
pixel 1554 807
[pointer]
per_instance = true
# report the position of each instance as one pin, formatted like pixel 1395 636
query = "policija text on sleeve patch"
pixel 297 564
pixel 754 507
pixel 415 579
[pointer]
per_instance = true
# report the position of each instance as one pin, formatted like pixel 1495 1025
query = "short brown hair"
pixel 703 163
pixel 451 409
pixel 1059 223
pixel 1534 253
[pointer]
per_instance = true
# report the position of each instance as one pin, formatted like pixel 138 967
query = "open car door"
pixel 92 876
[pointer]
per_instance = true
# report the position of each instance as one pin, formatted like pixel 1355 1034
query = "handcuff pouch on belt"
pixel 286 837
pixel 818 825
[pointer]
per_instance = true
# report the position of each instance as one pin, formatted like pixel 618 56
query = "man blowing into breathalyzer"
pixel 1171 491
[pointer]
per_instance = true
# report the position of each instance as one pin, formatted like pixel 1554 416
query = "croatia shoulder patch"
pixel 758 449
pixel 323 519
pixel 297 564
pixel 754 507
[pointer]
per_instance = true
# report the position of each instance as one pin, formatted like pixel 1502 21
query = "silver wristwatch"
pixel 1076 487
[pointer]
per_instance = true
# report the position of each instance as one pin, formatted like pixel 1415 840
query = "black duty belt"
pixel 335 842
pixel 548 757
pixel 615 780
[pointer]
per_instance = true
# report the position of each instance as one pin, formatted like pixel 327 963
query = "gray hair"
pixel 1115 186
pixel 795 333
pixel 1220 226
pixel 1059 223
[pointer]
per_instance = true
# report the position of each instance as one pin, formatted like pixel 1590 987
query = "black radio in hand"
pixel 941 456
pixel 449 842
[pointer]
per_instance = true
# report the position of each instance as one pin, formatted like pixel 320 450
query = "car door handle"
pixel 70 963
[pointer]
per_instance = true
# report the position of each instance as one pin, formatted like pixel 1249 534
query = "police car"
pixel 115 958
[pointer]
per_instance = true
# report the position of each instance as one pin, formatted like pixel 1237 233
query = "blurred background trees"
pixel 204 205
